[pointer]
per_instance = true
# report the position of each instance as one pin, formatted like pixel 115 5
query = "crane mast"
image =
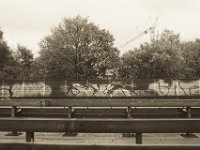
pixel 149 30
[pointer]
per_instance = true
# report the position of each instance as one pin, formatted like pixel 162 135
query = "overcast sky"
pixel 26 22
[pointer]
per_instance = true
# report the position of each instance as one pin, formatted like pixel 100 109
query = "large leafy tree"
pixel 77 49
pixel 191 57
pixel 24 59
pixel 161 58
pixel 7 61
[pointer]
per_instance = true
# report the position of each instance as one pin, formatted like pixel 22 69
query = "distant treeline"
pixel 78 49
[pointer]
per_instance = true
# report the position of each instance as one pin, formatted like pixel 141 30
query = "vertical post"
pixel 69 115
pixel 13 114
pixel 29 136
pixel 138 138
pixel 128 117
pixel 13 111
pixel 188 115
pixel 129 112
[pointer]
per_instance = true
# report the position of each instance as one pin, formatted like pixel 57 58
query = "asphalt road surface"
pixel 103 138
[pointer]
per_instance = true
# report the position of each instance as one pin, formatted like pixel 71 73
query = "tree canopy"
pixel 6 60
pixel 77 49
pixel 191 58
pixel 24 60
pixel 165 57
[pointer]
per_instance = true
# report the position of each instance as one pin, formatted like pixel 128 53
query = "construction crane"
pixel 150 29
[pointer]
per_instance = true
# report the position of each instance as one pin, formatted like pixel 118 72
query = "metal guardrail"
pixel 101 112
pixel 128 125
pixel 100 125
pixel 138 126
pixel 104 102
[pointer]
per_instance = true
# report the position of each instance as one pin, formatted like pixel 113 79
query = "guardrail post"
pixel 128 116
pixel 188 115
pixel 29 136
pixel 138 138
pixel 14 114
pixel 13 111
pixel 69 115
pixel 129 112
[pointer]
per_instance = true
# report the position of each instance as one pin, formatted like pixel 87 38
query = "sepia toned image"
pixel 99 75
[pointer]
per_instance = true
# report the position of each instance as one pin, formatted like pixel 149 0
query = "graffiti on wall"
pixel 100 88
pixel 24 89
